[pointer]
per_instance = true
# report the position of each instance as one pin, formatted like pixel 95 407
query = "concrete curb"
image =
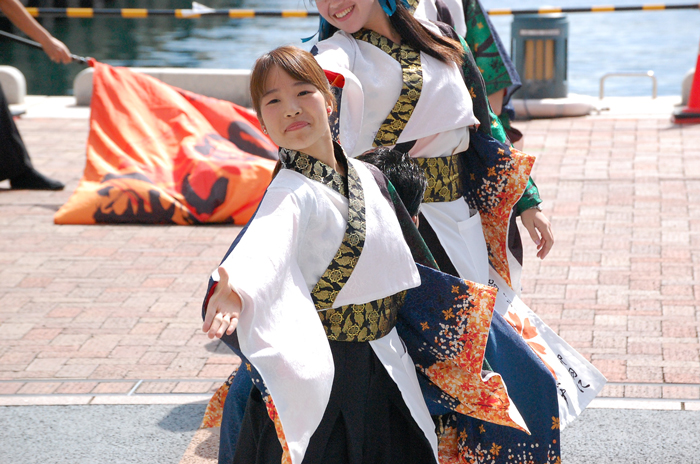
pixel 224 84
pixel 14 85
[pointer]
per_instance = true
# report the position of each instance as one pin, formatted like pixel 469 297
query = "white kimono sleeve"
pixel 278 330
pixel 338 56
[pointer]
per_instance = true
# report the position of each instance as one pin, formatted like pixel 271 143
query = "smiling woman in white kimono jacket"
pixel 394 96
pixel 320 340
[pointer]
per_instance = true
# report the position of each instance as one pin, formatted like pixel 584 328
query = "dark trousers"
pixel 232 415
pixel 14 159
pixel 366 419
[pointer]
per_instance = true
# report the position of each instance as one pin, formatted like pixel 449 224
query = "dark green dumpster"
pixel 539 50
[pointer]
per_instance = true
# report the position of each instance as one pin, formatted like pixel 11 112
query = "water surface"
pixel 663 41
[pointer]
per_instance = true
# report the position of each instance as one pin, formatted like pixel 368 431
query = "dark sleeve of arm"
pixel 530 198
pixel 443 13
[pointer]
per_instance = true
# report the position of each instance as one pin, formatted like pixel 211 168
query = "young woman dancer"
pixel 313 288
pixel 414 85
pixel 405 86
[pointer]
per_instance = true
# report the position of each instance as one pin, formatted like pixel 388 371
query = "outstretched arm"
pixel 223 309
pixel 20 17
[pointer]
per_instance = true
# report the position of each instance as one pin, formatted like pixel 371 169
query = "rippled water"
pixel 663 41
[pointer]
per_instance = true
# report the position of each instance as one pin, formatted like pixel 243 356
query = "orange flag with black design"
pixel 157 154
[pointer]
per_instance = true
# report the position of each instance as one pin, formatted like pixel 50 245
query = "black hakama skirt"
pixel 366 420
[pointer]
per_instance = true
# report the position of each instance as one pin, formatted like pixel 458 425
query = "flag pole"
pixel 31 43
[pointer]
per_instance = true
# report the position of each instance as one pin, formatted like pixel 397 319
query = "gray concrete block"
pixel 13 84
pixel 224 84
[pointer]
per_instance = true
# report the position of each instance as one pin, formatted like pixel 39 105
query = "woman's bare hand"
pixel 540 230
pixel 223 309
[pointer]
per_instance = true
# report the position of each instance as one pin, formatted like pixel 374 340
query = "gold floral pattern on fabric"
pixel 343 264
pixel 314 169
pixel 443 175
pixel 362 322
pixel 274 416
pixel 215 407
pixel 409 59
pixel 498 194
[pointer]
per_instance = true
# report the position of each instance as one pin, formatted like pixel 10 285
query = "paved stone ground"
pixel 114 310
pixel 94 309
pixel 621 284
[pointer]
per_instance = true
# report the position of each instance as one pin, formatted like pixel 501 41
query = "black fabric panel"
pixel 443 13
pixel 515 244
pixel 439 254
pixel 14 159
pixel 366 420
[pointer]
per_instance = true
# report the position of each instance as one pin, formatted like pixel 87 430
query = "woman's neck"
pixel 324 151
pixel 380 23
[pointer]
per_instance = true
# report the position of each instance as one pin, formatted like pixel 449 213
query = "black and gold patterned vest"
pixel 444 180
pixel 444 183
pixel 355 322
pixel 412 74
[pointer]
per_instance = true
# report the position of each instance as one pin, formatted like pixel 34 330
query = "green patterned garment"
pixel 482 43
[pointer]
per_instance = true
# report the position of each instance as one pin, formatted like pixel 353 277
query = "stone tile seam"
pixel 182 398
pixel 68 380
pixel 136 380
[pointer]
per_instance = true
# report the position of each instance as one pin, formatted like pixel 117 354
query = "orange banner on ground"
pixel 161 155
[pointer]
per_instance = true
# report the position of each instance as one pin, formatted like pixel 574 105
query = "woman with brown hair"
pixel 318 287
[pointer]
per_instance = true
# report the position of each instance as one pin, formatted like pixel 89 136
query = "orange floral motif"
pixel 448 448
pixel 424 325
pixel 555 423
pixel 272 412
pixel 458 371
pixel 501 196
pixel 215 408
pixel 453 448
pixel 528 332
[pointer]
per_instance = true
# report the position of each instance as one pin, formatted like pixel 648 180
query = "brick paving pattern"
pixel 115 309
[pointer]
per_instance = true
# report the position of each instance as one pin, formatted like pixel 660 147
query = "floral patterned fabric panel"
pixel 497 177
pixel 445 325
pixel 532 389
pixel 272 412
pixel 215 407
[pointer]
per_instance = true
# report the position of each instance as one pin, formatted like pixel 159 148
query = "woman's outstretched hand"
pixel 223 309
pixel 540 230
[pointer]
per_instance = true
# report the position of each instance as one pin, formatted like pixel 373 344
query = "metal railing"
pixel 248 13
pixel 649 74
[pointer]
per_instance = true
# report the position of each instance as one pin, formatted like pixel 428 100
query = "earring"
pixel 329 109
pixel 264 129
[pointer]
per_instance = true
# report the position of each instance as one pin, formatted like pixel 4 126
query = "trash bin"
pixel 539 50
